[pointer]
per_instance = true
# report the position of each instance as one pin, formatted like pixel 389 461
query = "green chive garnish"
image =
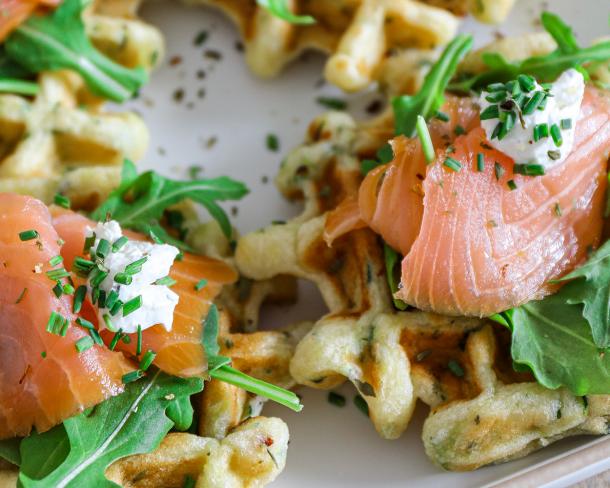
pixel 133 376
pixel 543 103
pixel 507 124
pixel 541 131
pixel 116 307
pixel 119 243
pixel 442 116
pixel 455 368
pixel 453 164
pixel 101 299
pixel 526 82
pixel 132 305
pixel 200 284
pixel 529 169
pixel 108 322
pixel 332 103
pixel 123 278
pixel 98 277
pixel 85 323
pixel 496 87
pixel 58 290
pixel 95 294
pixel 497 130
pixel 511 184
pixel 498 170
pixel 139 341
pixel 425 139
pixel 495 97
pixel 57 274
pixel 361 404
pixel 136 266
pixel 64 327
pixel 103 248
pixel 556 135
pixel 79 298
pixel 68 289
pixel 115 339
pixel 54 261
pixel 21 295
pixel 126 339
pixel 147 360
pixel 491 112
pixel 61 200
pixel 82 265
pixel 480 162
pixel 111 299
pixel 43 354
pixel 566 124
pixel 336 399
pixel 28 235
pixel 554 155
pixel 166 281
pixel 89 241
pixel 459 130
pixel 557 210
pixel 84 343
pixel 273 144
pixel 534 102
pixel 95 335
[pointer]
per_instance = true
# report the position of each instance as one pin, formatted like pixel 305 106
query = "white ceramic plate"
pixel 220 124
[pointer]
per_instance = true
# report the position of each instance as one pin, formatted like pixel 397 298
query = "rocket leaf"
pixel 77 452
pixel 280 9
pixel 9 450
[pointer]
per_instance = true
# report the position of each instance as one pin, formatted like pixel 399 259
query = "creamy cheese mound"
pixel 158 301
pixel 563 105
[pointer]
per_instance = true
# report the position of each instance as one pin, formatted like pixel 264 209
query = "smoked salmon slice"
pixel 14 12
pixel 43 378
pixel 179 352
pixel 472 245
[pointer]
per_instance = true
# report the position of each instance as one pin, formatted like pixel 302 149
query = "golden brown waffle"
pixel 62 139
pixel 482 411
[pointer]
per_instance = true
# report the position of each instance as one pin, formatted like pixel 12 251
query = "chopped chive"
pixel 136 266
pixel 495 97
pixel 79 298
pixel 526 82
pixel 546 86
pixel 115 339
pixel 95 294
pixel 95 335
pixel 361 404
pixel 89 241
pixel 21 295
pixel 542 105
pixel 103 248
pixel 54 261
pixel 554 155
pixel 119 243
pixel 166 281
pixel 455 368
pixel 566 124
pixel 133 376
pixel 507 124
pixel 442 116
pixel 498 170
pixel 126 339
pixel 111 299
pixel 116 307
pixel 139 341
pixel 98 277
pixel 453 164
pixel 28 235
pixel 541 131
pixel 557 210
pixel 336 399
pixel 68 289
pixel 511 184
pixel 273 144
pixel 480 162
pixel 132 305
pixel 425 139
pixel 189 482
pixel 497 130
pixel 491 112
pixel 516 91
pixel 556 135
pixel 43 354
pixel 147 360
pixel 84 343
pixel 200 284
pixel 64 327
pixel 534 102
pixel 496 87
pixel 521 99
pixel 156 239
pixel 57 274
pixel 101 299
pixel 85 323
pixel 108 322
pixel 332 103
pixel 459 130
pixel 83 265
pixel 61 200
pixel 54 323
pixel 58 290
pixel 123 278
pixel 529 169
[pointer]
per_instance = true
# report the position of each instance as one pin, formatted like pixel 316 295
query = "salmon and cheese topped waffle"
pixel 459 246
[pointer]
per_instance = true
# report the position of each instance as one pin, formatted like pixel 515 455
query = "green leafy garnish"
pixel 219 369
pixel 9 450
pixel 392 270
pixel 280 9
pixel 77 452
pixel 59 41
pixel 545 68
pixel 430 97
pixel 139 202
pixel 20 87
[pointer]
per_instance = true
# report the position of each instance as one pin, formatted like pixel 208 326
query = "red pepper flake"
pixel 268 441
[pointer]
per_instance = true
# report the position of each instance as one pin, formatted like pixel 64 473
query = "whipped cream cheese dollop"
pixel 533 124
pixel 132 297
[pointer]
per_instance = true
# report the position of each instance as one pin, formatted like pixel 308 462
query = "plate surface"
pixel 205 109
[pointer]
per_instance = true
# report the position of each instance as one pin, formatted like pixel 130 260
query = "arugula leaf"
pixel 131 423
pixel 392 271
pixel 9 450
pixel 594 293
pixel 431 95
pixel 181 413
pixel 219 369
pixel 58 41
pixel 280 9
pixel 544 68
pixel 553 338
pixel 140 201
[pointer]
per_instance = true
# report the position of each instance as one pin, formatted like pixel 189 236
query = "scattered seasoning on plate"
pixel 361 404
pixel 273 143
pixel 175 60
pixel 336 399
pixel 212 54
pixel 374 107
pixel 239 46
pixel 332 103
pixel 178 95
pixel 200 38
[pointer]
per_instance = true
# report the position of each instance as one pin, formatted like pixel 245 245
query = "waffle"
pixel 62 140
pixel 481 410
pixel 359 35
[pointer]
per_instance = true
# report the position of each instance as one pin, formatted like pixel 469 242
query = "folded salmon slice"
pixel 14 12
pixel 43 378
pixel 179 352
pixel 472 245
